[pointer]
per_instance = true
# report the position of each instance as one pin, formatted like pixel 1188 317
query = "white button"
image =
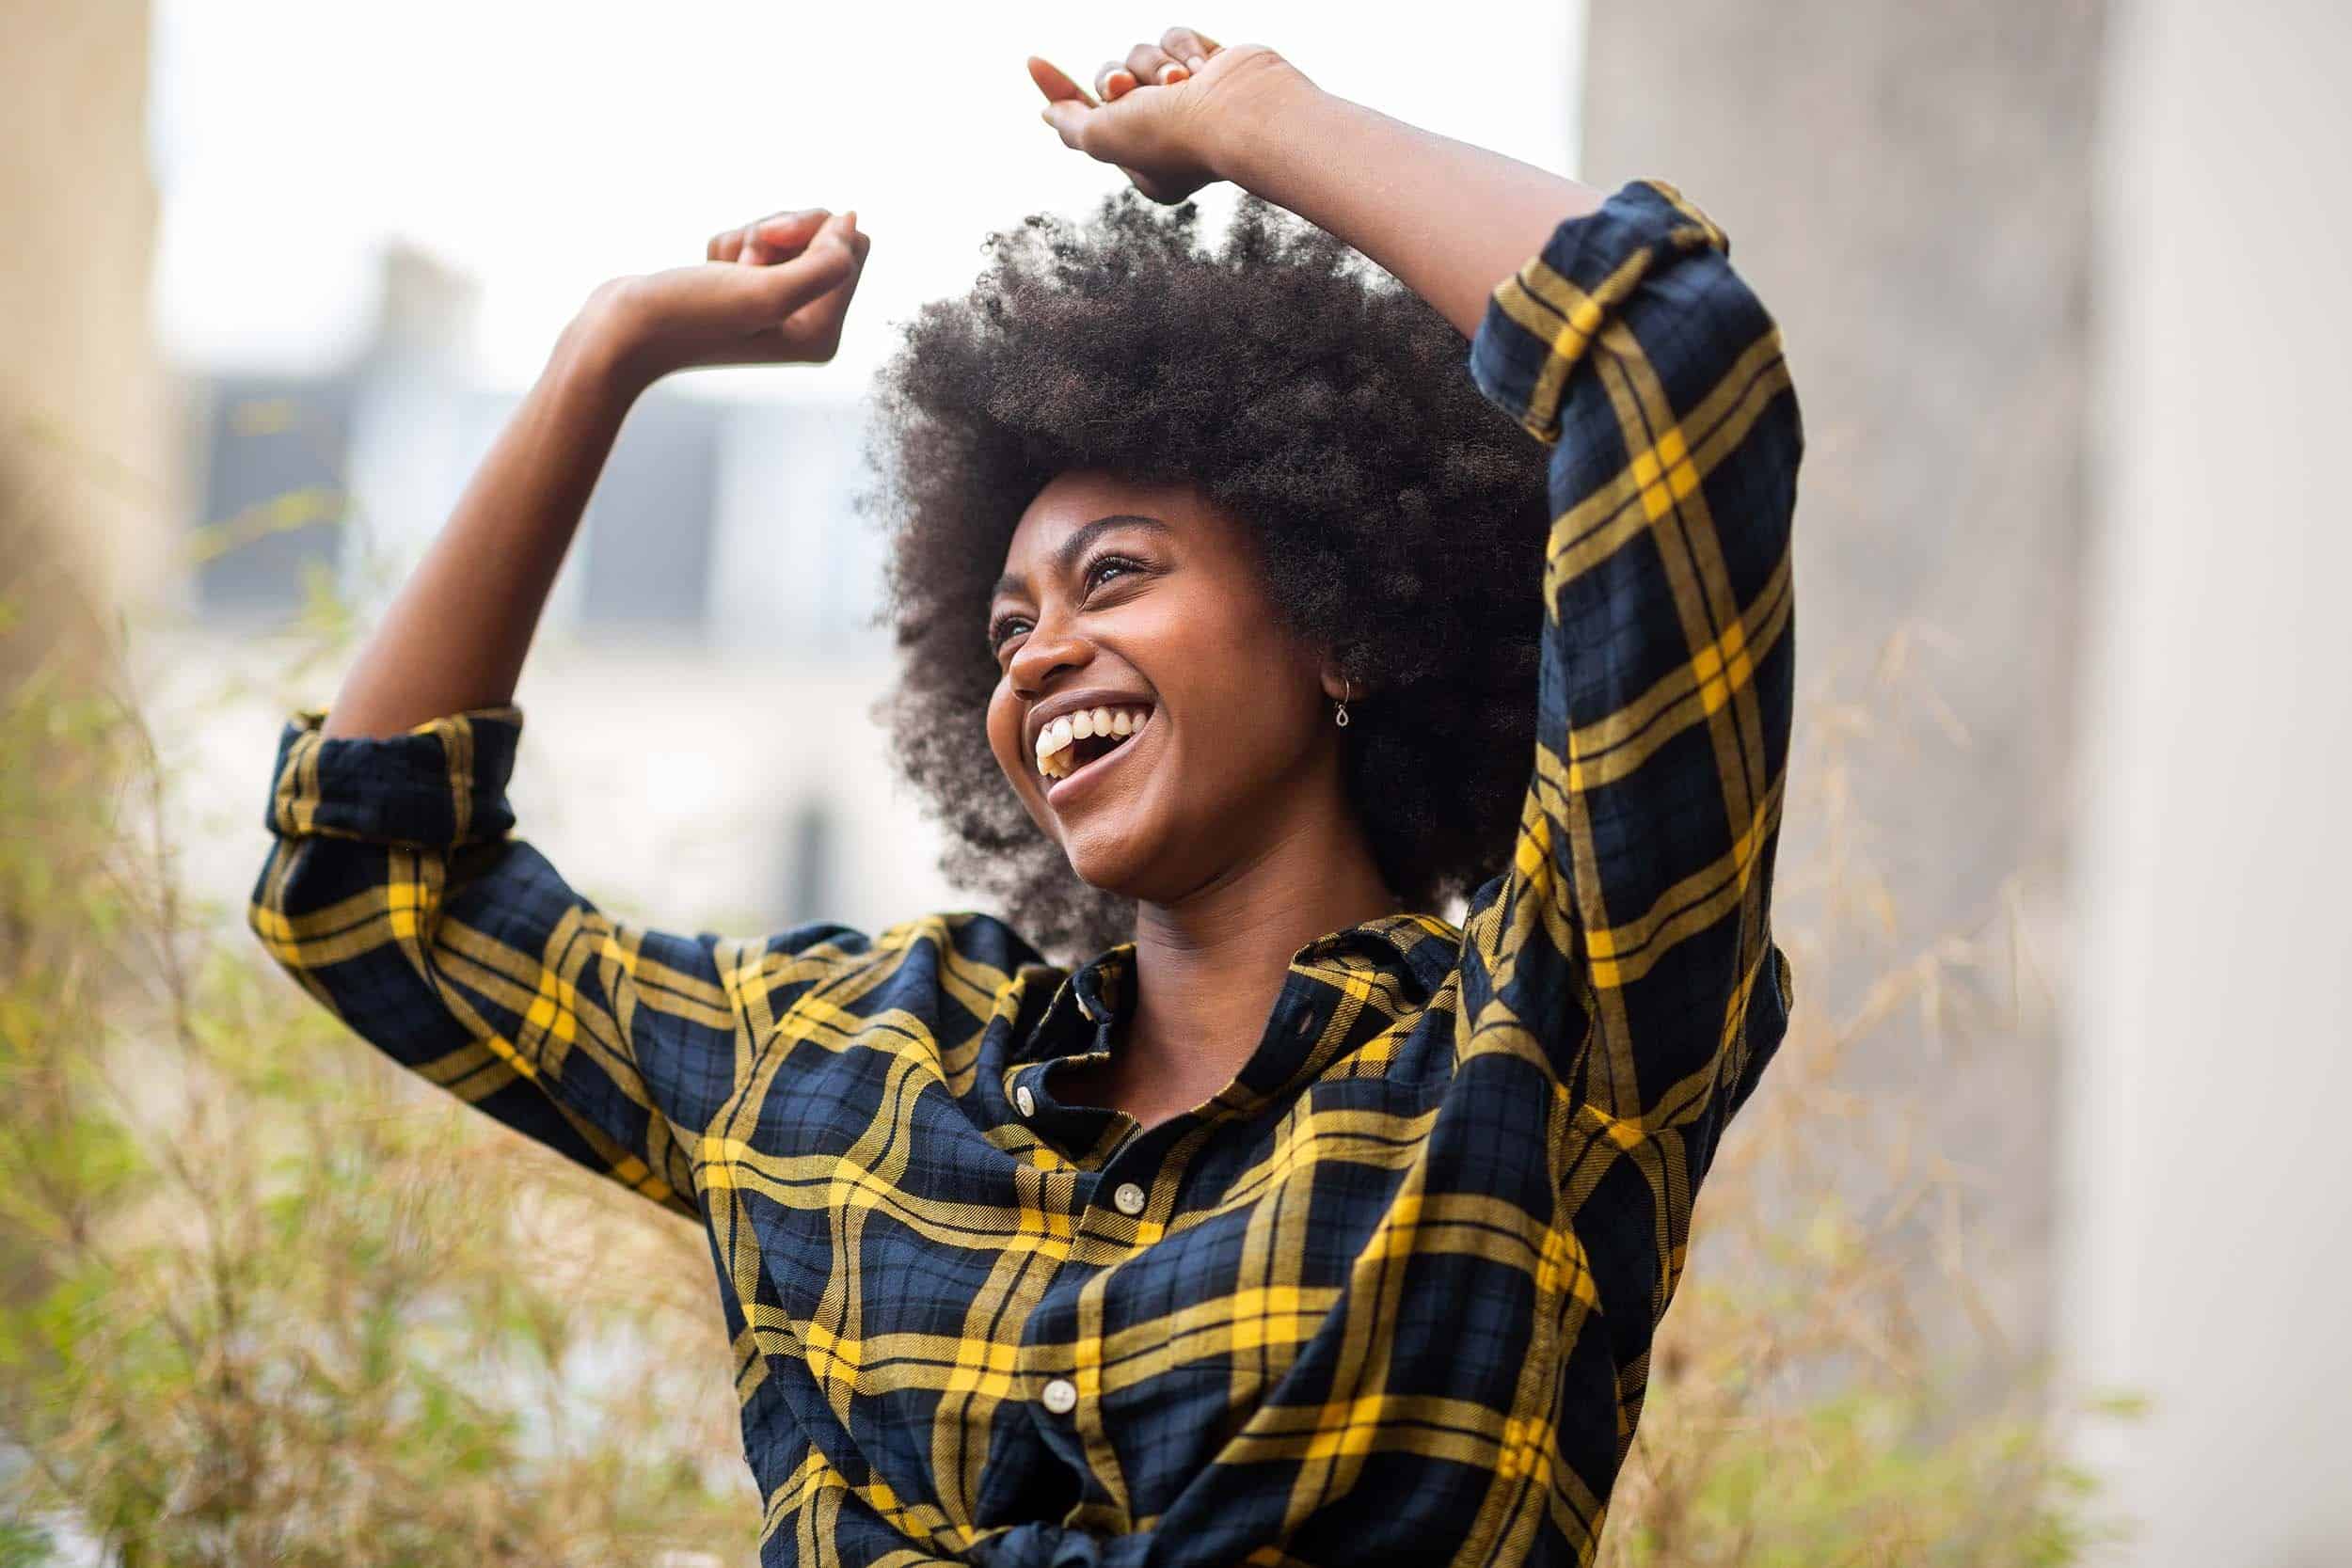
pixel 1028 1101
pixel 1129 1197
pixel 1062 1396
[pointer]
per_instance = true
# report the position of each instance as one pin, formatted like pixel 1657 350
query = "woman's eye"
pixel 1099 571
pixel 1108 567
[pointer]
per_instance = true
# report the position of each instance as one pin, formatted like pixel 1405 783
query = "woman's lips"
pixel 1064 791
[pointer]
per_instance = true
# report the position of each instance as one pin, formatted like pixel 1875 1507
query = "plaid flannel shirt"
pixel 1389 1296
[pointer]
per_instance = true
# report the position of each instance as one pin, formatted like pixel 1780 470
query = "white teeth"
pixel 1053 743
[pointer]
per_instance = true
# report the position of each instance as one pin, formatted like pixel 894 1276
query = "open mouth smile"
pixel 1075 746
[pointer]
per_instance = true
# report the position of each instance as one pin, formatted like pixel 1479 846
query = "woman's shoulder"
pixel 959 959
pixel 965 947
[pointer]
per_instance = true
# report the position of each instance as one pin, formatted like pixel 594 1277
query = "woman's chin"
pixel 1112 858
pixel 1111 873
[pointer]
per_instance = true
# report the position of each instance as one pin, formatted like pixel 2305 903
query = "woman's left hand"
pixel 1166 114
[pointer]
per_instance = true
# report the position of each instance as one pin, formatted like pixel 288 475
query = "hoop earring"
pixel 1347 690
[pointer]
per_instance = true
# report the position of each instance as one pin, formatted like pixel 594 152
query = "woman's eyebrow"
pixel 1066 554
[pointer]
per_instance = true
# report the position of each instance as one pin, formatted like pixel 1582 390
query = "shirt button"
pixel 1129 1197
pixel 1028 1101
pixel 1062 1396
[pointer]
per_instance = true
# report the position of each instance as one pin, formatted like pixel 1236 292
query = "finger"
pixel 768 295
pixel 780 231
pixel 1056 84
pixel 781 236
pixel 1068 117
pixel 1113 80
pixel 1149 63
pixel 1190 45
pixel 815 329
pixel 798 327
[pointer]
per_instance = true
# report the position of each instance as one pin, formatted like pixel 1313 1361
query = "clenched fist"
pixel 773 292
pixel 1168 113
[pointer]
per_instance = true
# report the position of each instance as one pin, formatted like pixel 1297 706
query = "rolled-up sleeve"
pixel 395 894
pixel 1632 936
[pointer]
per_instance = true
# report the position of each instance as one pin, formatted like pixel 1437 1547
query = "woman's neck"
pixel 1209 968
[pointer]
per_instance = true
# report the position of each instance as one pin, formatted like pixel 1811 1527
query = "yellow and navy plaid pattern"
pixel 1387 1297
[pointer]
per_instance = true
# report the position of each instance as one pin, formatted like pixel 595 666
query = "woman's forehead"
pixel 1076 508
pixel 1055 551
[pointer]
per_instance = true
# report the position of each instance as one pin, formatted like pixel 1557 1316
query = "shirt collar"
pixel 1423 949
pixel 1420 949
pixel 1084 1007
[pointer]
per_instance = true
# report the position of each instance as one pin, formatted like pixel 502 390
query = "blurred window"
pixel 274 453
pixel 809 892
pixel 648 528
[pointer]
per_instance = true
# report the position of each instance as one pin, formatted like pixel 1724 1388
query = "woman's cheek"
pixel 1004 736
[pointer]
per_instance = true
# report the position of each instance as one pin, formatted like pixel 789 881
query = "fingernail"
pixel 1198 61
pixel 1169 71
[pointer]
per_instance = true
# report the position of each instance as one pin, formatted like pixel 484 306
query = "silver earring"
pixel 1346 689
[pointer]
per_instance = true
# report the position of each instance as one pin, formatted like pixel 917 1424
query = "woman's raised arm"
pixel 393 892
pixel 453 639
pixel 1451 219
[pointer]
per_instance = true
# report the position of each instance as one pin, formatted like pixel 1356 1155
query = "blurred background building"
pixel 2062 285
pixel 711 651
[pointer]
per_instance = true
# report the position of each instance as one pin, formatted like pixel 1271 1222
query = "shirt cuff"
pixel 1540 320
pixel 439 786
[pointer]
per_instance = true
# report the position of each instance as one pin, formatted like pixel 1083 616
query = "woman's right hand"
pixel 772 291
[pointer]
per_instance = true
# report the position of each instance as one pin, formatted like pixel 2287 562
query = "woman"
pixel 1301 1226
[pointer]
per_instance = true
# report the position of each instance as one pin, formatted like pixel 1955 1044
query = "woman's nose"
pixel 1051 646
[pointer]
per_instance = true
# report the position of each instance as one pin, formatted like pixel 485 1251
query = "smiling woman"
pixel 1297 1225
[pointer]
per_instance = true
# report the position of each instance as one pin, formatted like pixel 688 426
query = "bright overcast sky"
pixel 544 148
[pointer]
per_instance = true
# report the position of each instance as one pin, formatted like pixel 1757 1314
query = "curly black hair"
pixel 1400 516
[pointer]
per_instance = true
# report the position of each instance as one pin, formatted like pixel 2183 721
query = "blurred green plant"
pixel 266 1299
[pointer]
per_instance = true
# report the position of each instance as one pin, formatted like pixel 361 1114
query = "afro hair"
pixel 1399 515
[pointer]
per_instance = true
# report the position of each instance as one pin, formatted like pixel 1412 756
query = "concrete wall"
pixel 85 410
pixel 2208 1196
pixel 1908 187
pixel 2065 292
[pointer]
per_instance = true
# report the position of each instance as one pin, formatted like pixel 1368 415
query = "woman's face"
pixel 1143 604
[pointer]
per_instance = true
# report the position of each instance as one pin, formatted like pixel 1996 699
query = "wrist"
pixel 1270 98
pixel 604 352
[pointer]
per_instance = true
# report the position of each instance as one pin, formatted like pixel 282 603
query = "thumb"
pixel 1066 116
pixel 769 293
